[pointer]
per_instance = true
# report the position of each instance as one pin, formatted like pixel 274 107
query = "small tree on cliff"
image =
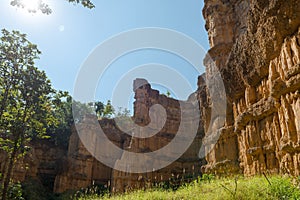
pixel 108 110
pixel 168 93
pixel 99 108
pixel 26 107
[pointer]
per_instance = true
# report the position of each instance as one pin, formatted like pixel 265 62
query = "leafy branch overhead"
pixel 86 3
pixel 45 8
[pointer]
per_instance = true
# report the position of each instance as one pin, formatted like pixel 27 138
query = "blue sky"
pixel 70 33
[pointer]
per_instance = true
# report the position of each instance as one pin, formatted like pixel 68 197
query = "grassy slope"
pixel 246 188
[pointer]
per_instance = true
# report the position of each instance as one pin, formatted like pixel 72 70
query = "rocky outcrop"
pixel 43 162
pixel 255 45
pixel 187 165
pixel 79 167
pixel 83 169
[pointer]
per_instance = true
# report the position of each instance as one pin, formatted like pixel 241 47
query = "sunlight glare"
pixel 30 13
pixel 31 4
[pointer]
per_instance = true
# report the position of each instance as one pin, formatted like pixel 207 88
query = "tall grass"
pixel 240 188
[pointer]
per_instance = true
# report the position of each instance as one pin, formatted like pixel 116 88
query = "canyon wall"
pixel 78 167
pixel 43 162
pixel 186 166
pixel 255 45
pixel 82 169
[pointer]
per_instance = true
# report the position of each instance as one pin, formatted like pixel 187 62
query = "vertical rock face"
pixel 188 165
pixel 154 113
pixel 43 162
pixel 268 128
pixel 225 22
pixel 255 45
pixel 82 169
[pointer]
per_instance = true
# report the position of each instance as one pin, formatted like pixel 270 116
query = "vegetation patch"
pixel 208 187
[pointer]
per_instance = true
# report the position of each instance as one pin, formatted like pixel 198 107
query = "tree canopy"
pixel 45 8
pixel 28 104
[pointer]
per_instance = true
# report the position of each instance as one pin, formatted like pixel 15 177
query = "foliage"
pixel 66 111
pixel 27 102
pixel 99 108
pixel 108 110
pixel 168 93
pixel 282 189
pixel 15 192
pixel 103 110
pixel 30 108
pixel 207 177
pixel 247 189
pixel 25 92
pixel 62 112
pixel 79 110
pixel 122 112
pixel 174 182
pixel 45 8
pixel 34 190
pixel 86 3
pixel 123 119
pixel 94 190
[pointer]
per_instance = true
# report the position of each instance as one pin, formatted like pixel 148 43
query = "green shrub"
pixel 15 192
pixel 93 191
pixel 282 189
pixel 209 187
pixel 34 190
pixel 207 177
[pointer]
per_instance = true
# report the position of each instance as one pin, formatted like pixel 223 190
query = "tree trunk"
pixel 19 139
pixel 9 172
pixel 4 172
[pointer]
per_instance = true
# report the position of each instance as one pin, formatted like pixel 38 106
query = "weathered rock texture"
pixel 43 162
pixel 188 165
pixel 83 169
pixel 255 45
pixel 78 168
